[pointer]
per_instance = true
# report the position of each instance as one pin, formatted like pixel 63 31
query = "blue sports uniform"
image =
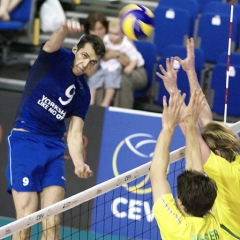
pixel 51 94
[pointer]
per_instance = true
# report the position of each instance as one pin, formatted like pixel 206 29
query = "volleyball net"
pixel 120 208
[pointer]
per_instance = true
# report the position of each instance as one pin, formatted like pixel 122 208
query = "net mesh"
pixel 120 208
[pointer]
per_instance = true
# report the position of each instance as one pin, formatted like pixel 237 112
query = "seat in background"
pixel 189 5
pixel 225 8
pixel 213 35
pixel 172 26
pixel 218 89
pixel 182 80
pixel 234 58
pixel 20 24
pixel 202 4
pixel 149 54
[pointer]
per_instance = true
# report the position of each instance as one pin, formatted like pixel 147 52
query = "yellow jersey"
pixel 174 225
pixel 227 203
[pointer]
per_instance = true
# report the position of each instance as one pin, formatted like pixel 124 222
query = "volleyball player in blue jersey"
pixel 55 89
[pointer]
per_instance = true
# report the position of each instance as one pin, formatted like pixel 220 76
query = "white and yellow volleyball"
pixel 137 21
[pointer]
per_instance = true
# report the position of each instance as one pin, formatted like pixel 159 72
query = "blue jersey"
pixel 51 94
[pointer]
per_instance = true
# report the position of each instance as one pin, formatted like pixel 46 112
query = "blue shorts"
pixel 34 162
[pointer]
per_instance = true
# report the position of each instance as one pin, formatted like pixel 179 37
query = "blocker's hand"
pixel 168 75
pixel 171 116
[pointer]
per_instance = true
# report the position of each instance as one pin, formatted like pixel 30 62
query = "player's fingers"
pixel 162 69
pixel 178 59
pixel 79 174
pixel 88 174
pixel 159 75
pixel 191 42
pixel 78 26
pixel 183 96
pixel 168 63
pixel 69 23
pixel 180 101
pixel 170 103
pixel 164 102
pixel 73 24
pixel 85 175
pixel 188 44
pixel 82 27
pixel 171 63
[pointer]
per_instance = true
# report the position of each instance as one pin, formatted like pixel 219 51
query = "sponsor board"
pixel 128 141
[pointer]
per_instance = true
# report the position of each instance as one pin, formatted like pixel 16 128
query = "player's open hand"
pixel 195 106
pixel 188 63
pixel 72 26
pixel 169 76
pixel 171 112
pixel 83 171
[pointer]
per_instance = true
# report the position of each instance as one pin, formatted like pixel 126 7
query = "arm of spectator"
pixel 121 57
pixel 128 69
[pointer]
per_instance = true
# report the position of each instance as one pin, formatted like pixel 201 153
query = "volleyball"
pixel 136 21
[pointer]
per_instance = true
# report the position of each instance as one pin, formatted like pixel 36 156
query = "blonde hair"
pixel 220 137
pixel 115 23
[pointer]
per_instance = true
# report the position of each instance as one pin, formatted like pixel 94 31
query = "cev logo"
pixel 136 150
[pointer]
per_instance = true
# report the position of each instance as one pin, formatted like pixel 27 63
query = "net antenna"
pixel 91 193
pixel 228 61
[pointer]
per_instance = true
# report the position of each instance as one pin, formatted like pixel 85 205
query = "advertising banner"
pixel 128 141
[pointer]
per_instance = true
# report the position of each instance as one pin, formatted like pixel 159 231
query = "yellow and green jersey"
pixel 227 204
pixel 173 225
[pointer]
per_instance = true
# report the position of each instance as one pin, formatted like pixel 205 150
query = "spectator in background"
pixel 6 7
pixel 110 72
pixel 96 23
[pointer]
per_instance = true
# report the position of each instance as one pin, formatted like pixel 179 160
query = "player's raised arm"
pixel 57 37
pixel 188 66
pixel 160 161
pixel 192 152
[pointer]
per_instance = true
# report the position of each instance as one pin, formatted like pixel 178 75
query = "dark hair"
pixel 96 43
pixel 197 192
pixel 91 20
